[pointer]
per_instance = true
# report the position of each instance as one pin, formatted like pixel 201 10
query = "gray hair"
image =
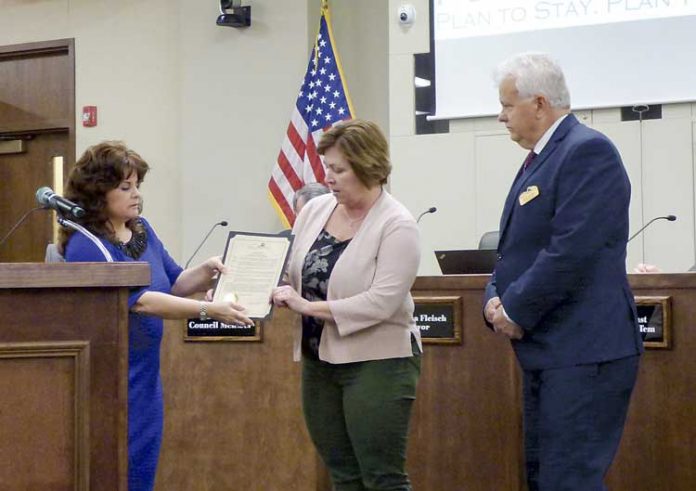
pixel 309 191
pixel 536 74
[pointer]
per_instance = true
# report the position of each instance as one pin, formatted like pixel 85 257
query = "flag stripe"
pixel 279 198
pixel 296 140
pixel 289 172
pixel 282 183
pixel 295 158
pixel 315 160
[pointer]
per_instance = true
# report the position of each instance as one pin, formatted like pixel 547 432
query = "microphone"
pixel 432 209
pixel 669 218
pixel 223 223
pixel 50 200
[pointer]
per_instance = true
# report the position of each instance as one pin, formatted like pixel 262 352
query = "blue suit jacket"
pixel 561 271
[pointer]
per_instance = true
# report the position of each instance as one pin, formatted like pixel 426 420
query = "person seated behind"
pixel 651 268
pixel 305 193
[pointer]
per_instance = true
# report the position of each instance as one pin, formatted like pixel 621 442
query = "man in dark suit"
pixel 559 290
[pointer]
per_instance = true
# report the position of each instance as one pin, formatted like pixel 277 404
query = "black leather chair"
pixel 489 240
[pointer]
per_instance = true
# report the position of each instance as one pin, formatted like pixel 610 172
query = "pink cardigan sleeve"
pixel 397 263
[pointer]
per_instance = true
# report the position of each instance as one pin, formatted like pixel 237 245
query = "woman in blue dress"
pixel 105 182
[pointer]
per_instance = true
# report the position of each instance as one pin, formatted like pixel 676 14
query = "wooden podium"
pixel 64 374
pixel 467 426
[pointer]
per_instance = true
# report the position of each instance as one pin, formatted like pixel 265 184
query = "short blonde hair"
pixel 365 148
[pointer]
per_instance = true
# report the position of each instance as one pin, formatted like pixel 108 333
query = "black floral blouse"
pixel 316 271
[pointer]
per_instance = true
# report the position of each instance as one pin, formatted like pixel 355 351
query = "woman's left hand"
pixel 286 296
pixel 214 264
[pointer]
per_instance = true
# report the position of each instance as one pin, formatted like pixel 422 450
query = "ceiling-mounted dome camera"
pixel 407 14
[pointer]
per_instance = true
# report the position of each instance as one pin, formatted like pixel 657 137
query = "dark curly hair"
pixel 100 169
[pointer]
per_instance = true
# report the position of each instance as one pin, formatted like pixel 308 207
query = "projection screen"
pixel 614 52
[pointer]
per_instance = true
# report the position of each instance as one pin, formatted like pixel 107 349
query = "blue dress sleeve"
pixel 171 268
pixel 164 271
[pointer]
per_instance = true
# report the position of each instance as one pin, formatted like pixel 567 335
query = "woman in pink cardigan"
pixel 354 259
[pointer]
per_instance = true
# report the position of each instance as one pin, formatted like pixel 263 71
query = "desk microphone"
pixel 432 209
pixel 669 218
pixel 222 223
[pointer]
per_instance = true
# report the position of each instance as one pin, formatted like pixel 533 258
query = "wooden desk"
pixel 233 417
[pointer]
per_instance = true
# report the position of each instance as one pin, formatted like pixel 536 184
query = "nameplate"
pixel 439 319
pixel 655 321
pixel 212 330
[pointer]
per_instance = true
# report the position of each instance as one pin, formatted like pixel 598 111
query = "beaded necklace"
pixel 137 244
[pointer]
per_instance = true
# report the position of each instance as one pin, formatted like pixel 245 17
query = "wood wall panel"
pixel 37 86
pixel 37 105
pixel 20 176
pixel 466 423
pixel 658 449
pixel 50 313
pixel 44 416
pixel 233 419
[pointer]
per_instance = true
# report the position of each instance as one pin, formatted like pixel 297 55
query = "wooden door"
pixel 37 134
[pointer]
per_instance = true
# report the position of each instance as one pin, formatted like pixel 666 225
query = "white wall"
pixel 207 106
pixel 467 172
pixel 126 64
pixel 362 43
pixel 238 87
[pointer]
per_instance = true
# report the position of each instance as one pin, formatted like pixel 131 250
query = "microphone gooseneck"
pixel 222 223
pixel 432 209
pixel 79 228
pixel 14 227
pixel 669 218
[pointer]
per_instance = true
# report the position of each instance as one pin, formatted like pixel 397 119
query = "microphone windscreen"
pixel 43 194
pixel 671 218
pixel 223 223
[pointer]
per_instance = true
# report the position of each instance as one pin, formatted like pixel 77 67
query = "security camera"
pixel 232 14
pixel 407 14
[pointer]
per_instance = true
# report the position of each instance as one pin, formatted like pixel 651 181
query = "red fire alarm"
pixel 89 116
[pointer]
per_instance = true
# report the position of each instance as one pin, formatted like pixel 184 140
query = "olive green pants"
pixel 357 415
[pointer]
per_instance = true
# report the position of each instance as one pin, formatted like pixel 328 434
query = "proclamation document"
pixel 255 265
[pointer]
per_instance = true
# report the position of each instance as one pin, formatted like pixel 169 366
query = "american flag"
pixel 323 101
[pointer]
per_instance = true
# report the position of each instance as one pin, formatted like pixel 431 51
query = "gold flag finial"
pixel 324 5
